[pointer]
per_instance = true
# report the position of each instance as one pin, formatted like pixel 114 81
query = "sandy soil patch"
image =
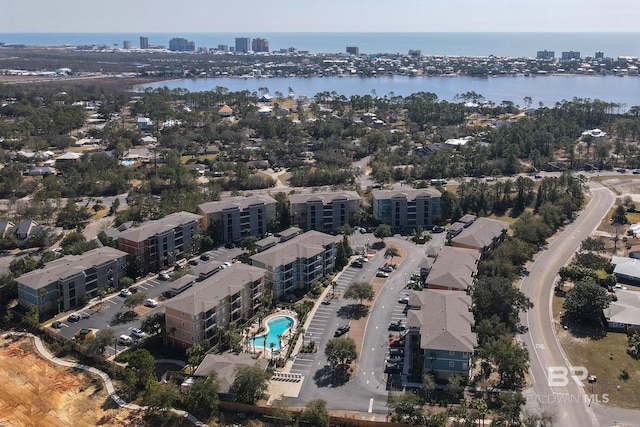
pixel 35 392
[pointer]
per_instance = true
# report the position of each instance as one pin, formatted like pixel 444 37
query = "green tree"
pixel 359 291
pixel 455 386
pixel 428 384
pixel 159 398
pixel 201 397
pixel 72 217
pixel 511 360
pixel 496 295
pixel 406 408
pixel 316 413
pixel 196 353
pixel 249 384
pixel 143 364
pixel 586 300
pixel 391 252
pixel 134 300
pixel 282 415
pixel 382 232
pixel 31 317
pixel 153 324
pixel 101 340
pixel 340 350
pixel 619 215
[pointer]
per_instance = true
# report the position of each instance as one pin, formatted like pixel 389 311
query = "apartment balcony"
pixel 258 295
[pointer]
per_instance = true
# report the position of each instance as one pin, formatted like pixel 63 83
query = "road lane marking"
pixel 370 405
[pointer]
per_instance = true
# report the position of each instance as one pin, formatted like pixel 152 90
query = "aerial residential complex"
pixel 158 244
pixel 238 217
pixel 404 208
pixel 61 284
pixel 298 262
pixel 324 212
pixel 232 295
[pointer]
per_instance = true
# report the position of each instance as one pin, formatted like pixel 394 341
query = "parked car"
pixel 392 368
pixel 363 259
pixel 341 330
pixel 382 274
pixel 193 261
pixel 74 317
pixel 437 229
pixel 138 333
pixel 150 302
pixel 125 340
pixel 386 268
pixel 397 326
pixel 395 359
pixel 57 324
pixel 164 275
pixel 396 351
pixel 205 257
pixel 125 293
pixel 356 264
pixel 403 300
pixel 396 344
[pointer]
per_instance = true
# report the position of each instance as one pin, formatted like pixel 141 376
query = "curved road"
pixel 569 403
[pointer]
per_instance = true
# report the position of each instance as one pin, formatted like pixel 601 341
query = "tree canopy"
pixel 250 384
pixel 586 300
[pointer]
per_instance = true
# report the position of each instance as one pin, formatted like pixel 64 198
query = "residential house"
pixel 483 235
pixel 453 269
pixel 41 171
pixel 407 208
pixel 626 270
pixel 324 212
pixel 142 154
pixel 225 111
pixel 225 366
pixel 158 244
pixel 238 217
pixel 61 284
pixel 440 326
pixel 298 262
pixel 231 296
pixel 634 251
pixel 25 228
pixel 624 313
pixel 144 123
pixel 6 227
pixel 68 157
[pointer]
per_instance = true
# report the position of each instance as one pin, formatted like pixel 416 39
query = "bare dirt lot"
pixel 35 392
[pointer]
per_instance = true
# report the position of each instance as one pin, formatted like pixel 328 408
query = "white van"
pixel 125 340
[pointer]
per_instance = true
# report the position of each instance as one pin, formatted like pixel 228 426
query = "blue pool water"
pixel 127 162
pixel 276 325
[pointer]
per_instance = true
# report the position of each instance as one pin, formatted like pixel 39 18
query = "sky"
pixel 217 16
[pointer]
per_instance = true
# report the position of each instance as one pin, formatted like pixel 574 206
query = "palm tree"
pixel 271 347
pixel 391 252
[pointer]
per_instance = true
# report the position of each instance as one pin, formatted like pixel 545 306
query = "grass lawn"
pixel 605 356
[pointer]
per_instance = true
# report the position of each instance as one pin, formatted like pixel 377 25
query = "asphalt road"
pixel 570 403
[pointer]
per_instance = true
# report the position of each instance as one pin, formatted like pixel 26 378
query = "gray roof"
pixel 289 232
pixel 208 293
pixel 454 268
pixel 325 198
pixel 306 245
pixel 481 233
pixel 6 226
pixel 68 266
pixel 444 320
pixel 408 193
pixel 626 309
pixel 152 228
pixel 24 226
pixel 225 365
pixel 624 266
pixel 467 219
pixel 239 202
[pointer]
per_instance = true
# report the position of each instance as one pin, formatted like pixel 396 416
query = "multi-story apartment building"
pixel 407 208
pixel 61 284
pixel 158 244
pixel 243 44
pixel 260 45
pixel 324 211
pixel 453 269
pixel 545 54
pixel 238 217
pixel 181 45
pixel 296 263
pixel 440 327
pixel 201 312
pixel 483 235
pixel 144 42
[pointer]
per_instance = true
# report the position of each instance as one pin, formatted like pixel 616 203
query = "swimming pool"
pixel 277 325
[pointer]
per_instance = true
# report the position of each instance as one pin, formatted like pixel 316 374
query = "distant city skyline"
pixel 69 16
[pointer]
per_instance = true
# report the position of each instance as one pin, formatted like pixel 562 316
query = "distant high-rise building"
pixel 415 53
pixel 181 45
pixel 223 47
pixel 126 44
pixel 242 44
pixel 353 50
pixel 545 54
pixel 570 55
pixel 260 45
pixel 144 42
pixel 599 55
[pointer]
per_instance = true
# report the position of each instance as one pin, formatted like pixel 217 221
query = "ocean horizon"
pixel 504 44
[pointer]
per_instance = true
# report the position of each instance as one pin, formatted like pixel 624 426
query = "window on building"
pixel 451 364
